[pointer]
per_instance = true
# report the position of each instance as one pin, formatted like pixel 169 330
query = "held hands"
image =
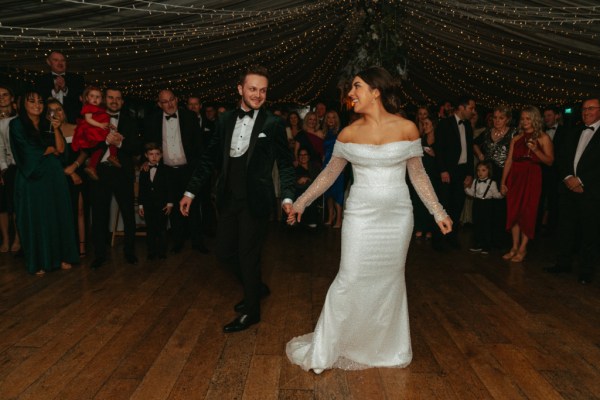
pixel 184 205
pixel 114 138
pixel 445 225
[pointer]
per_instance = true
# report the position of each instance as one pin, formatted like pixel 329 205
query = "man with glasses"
pixel 177 131
pixel 579 218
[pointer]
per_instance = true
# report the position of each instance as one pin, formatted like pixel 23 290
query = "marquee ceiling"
pixel 501 51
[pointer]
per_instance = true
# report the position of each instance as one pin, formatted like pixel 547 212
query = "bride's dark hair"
pixel 378 78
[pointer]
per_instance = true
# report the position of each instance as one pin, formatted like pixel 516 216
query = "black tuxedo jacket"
pixel 128 127
pixel 158 192
pixel 188 126
pixel 71 102
pixel 268 144
pixel 447 145
pixel 588 167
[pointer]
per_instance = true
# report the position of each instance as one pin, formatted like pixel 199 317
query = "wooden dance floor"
pixel 482 328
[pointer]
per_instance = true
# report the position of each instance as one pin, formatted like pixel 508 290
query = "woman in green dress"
pixel 42 201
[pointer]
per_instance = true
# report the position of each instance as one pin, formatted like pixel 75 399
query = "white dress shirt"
pixel 173 154
pixel 6 156
pixel 240 141
pixel 551 131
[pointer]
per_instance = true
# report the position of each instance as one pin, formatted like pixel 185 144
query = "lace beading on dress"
pixel 422 184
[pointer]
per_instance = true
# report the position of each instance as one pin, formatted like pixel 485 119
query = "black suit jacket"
pixel 588 167
pixel 188 126
pixel 128 127
pixel 71 102
pixel 268 144
pixel 447 145
pixel 158 192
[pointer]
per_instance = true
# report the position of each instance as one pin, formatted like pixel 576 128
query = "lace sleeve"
pixel 422 185
pixel 321 184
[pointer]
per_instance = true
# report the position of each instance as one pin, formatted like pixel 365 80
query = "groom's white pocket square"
pixel 261 135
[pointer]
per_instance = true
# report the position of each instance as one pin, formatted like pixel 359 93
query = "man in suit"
pixel 454 156
pixel 579 217
pixel 177 131
pixel 115 181
pixel 246 143
pixel 65 86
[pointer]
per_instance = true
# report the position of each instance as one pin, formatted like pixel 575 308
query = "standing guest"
pixel 364 322
pixel 446 110
pixel 72 162
pixel 579 217
pixel 311 138
pixel 195 105
pixel 454 156
pixel 294 126
pixel 178 133
pixel 155 201
pixel 422 115
pixel 92 130
pixel 493 145
pixel 8 171
pixel 483 190
pixel 320 111
pixel 209 213
pixel 42 204
pixel 334 196
pixel 424 222
pixel 522 180
pixel 115 181
pixel 306 172
pixel 221 110
pixel 65 86
pixel 246 144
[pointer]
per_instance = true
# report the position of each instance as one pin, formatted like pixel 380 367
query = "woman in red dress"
pixel 522 180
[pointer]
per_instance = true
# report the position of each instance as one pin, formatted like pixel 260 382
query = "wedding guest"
pixel 311 138
pixel 42 204
pixel 73 169
pixel 8 171
pixel 320 111
pixel 522 180
pixel 306 172
pixel 65 86
pixel 334 196
pixel 294 126
pixel 422 115
pixel 195 105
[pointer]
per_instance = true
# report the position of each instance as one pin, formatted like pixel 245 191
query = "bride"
pixel 364 321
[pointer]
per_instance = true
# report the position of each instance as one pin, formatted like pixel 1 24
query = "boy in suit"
pixel 155 201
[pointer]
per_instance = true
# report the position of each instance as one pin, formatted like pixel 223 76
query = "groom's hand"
pixel 287 208
pixel 184 205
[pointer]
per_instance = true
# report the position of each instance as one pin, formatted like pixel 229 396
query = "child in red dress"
pixel 92 130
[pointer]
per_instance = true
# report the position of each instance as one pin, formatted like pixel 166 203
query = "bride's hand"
pixel 291 218
pixel 445 225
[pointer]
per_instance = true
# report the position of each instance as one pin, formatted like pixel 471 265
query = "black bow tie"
pixel 482 180
pixel 551 128
pixel 462 122
pixel 589 127
pixel 55 74
pixel 241 113
pixel 169 116
pixel 114 115
pixel 152 166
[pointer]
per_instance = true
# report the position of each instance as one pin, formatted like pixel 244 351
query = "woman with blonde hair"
pixel 522 180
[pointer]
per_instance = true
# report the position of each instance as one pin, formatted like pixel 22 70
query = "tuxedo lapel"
pixel 258 128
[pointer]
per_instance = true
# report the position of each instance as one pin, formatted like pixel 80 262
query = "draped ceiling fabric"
pixel 547 52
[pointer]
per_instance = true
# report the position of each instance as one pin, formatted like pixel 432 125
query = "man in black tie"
pixel 65 86
pixel 454 157
pixel 177 131
pixel 579 197
pixel 246 143
pixel 115 181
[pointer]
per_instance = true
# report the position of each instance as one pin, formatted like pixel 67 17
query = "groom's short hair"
pixel 254 70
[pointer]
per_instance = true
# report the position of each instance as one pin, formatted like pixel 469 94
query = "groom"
pixel 246 143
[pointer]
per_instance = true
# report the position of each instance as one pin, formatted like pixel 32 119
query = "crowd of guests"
pixel 66 148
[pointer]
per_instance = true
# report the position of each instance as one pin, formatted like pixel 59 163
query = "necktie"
pixel 168 117
pixel 241 113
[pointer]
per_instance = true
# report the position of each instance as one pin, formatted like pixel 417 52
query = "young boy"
pixel 483 190
pixel 155 201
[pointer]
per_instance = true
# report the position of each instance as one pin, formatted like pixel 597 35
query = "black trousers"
pixel 156 229
pixel 240 237
pixel 180 177
pixel 579 229
pixel 113 181
pixel 452 195
pixel 483 221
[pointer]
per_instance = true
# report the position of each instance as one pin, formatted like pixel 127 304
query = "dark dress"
pixel 524 182
pixel 42 203
pixel 313 144
pixel 335 191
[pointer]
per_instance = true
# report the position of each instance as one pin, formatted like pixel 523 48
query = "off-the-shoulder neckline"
pixel 381 144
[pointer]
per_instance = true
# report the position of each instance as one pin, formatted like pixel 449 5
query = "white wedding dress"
pixel 364 321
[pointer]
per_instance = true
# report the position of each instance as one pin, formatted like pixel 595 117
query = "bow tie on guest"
pixel 169 116
pixel 550 129
pixel 114 115
pixel 241 113
pixel 482 180
pixel 55 74
pixel 462 122
pixel 588 127
pixel 152 166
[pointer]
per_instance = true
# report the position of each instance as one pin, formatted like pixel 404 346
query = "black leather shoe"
pixel 131 259
pixel 585 279
pixel 556 269
pixel 200 247
pixel 264 293
pixel 241 323
pixel 97 263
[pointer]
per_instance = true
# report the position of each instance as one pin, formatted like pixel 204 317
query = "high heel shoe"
pixel 510 254
pixel 519 257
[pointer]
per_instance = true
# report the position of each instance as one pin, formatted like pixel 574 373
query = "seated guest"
pixel 306 172
pixel 42 203
pixel 8 171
